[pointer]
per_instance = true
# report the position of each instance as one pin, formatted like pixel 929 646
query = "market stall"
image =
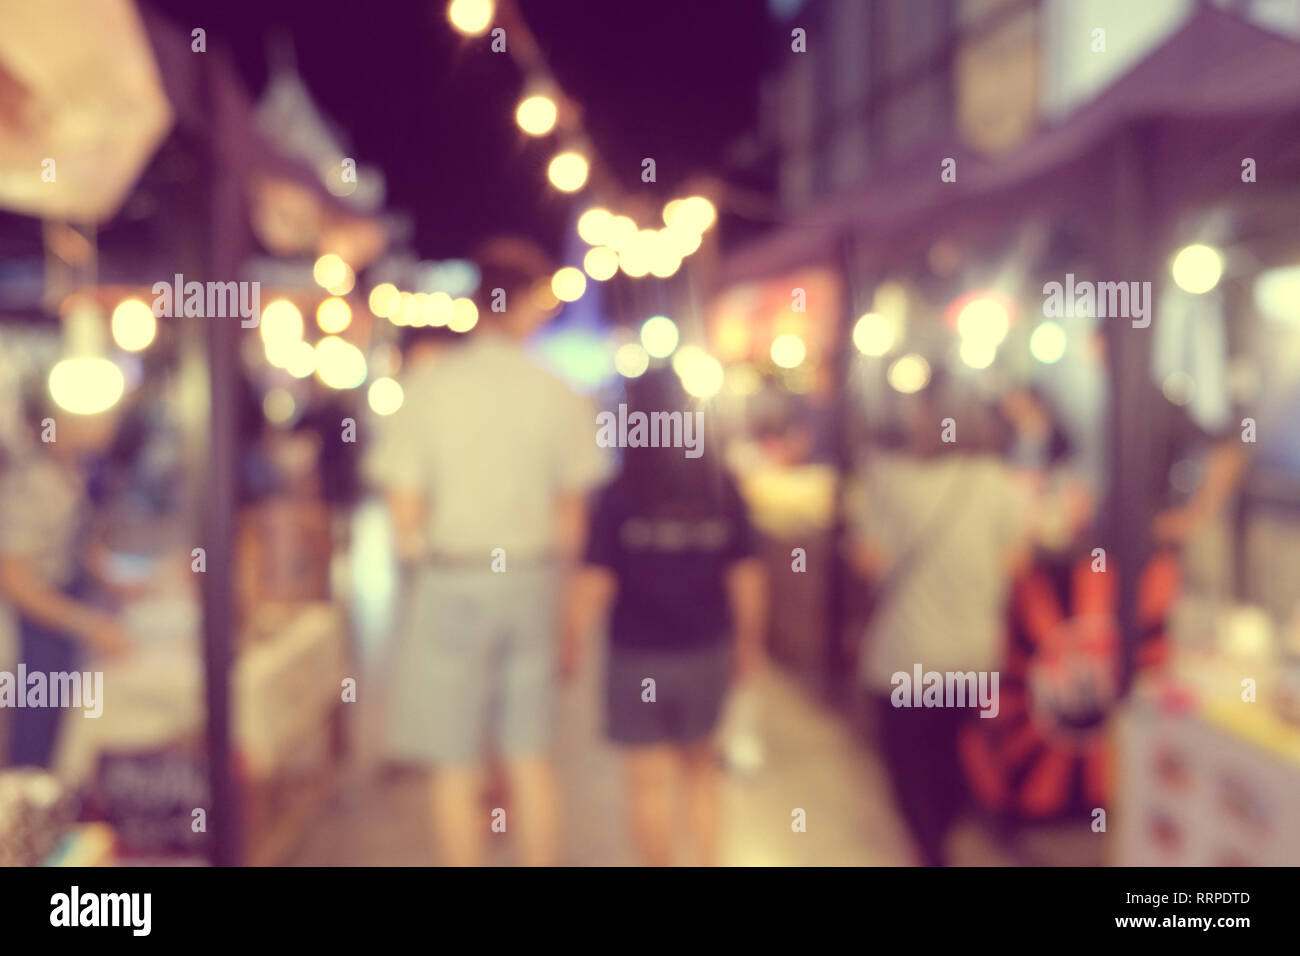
pixel 953 269
pixel 227 708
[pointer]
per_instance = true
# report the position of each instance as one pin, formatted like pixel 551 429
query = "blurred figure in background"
pixel 421 347
pixel 1037 440
pixel 1037 447
pixel 673 553
pixel 488 464
pixel 939 532
pixel 48 563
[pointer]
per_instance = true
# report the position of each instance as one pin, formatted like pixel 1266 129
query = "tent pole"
pixel 838 679
pixel 226 233
pixel 1134 239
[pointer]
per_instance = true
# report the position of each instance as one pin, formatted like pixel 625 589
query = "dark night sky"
pixel 673 79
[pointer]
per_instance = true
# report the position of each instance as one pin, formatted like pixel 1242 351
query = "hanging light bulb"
pixel 536 115
pixel 568 172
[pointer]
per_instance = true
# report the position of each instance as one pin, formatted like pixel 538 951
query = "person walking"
pixel 672 560
pixel 487 467
pixel 940 532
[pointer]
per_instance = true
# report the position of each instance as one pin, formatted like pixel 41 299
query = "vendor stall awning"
pixel 1218 82
pixel 82 107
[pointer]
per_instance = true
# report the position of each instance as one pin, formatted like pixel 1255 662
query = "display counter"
pixel 286 713
pixel 1209 776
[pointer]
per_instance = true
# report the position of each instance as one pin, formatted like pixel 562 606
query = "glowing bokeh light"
pixel 984 319
pixel 298 359
pixel 695 214
pixel 134 325
pixel 631 360
pixel 568 172
pixel 333 315
pixel 339 363
pixel 385 300
pixel 659 336
pixel 464 315
pixel 1047 343
pixel 788 350
pixel 470 17
pixel 700 373
pixel 595 226
pixel 281 328
pixel 1197 268
pixel 873 334
pixel 86 386
pixel 385 396
pixel 329 270
pixel 278 406
pixel 909 373
pixel 977 353
pixel 569 284
pixel 601 263
pixel 536 115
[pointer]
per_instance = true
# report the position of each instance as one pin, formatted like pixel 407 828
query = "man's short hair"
pixel 511 263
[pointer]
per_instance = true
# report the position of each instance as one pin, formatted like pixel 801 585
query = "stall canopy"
pixel 290 210
pixel 90 92
pixel 82 107
pixel 1217 91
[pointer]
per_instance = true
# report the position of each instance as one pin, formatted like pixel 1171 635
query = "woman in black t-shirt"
pixel 672 557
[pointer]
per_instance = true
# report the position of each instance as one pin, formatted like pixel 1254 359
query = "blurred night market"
pixel 933 338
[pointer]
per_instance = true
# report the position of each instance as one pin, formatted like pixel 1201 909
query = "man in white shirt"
pixel 487 466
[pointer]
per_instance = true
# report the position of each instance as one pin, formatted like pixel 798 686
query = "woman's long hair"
pixel 664 480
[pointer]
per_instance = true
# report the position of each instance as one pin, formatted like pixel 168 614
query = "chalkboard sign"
pixel 149 798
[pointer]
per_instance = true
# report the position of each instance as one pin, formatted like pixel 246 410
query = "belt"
pixel 484 560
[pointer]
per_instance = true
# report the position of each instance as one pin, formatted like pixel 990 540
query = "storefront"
pixel 954 271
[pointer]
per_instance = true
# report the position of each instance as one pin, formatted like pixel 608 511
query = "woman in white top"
pixel 938 531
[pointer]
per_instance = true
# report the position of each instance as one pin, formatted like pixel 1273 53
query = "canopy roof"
pixel 97 89
pixel 291 211
pixel 82 108
pixel 1217 90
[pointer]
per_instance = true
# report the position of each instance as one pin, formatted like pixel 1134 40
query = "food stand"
pixel 231 696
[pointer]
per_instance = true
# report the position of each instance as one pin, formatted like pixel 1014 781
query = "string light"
pixel 536 115
pixel 385 300
pixel 600 263
pixel 624 244
pixel 330 270
pixel 470 17
pixel 333 315
pixel 568 172
pixel 385 396
pixel 464 315
pixel 569 284
pixel 595 226
pixel 339 363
